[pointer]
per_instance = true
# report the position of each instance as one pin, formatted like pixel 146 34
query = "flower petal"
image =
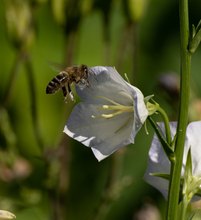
pixel 158 162
pixel 98 154
pixel 105 82
pixel 140 110
pixel 103 135
pixel 194 141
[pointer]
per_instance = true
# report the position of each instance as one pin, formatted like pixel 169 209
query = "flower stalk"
pixel 166 141
pixel 166 123
pixel 174 186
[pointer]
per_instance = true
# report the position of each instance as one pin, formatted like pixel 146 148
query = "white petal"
pixel 140 110
pixel 104 135
pixel 159 163
pixel 98 154
pixel 105 81
pixel 84 140
pixel 194 141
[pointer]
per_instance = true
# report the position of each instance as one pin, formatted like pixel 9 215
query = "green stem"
pixel 12 78
pixel 183 210
pixel 174 186
pixel 33 101
pixel 166 123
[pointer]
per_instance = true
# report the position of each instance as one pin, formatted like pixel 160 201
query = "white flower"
pixel 159 163
pixel 111 112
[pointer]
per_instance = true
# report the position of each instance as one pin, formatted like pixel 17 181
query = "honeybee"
pixel 64 80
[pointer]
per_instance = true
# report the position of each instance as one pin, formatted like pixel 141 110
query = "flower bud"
pixel 19 22
pixel 58 9
pixel 137 8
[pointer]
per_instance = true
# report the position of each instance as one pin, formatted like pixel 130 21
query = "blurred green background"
pixel 43 173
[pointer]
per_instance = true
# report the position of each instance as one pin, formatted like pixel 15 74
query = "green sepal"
pixel 152 108
pixel 191 184
pixel 196 214
pixel 126 77
pixel 195 38
pixel 188 170
pixel 188 173
pixel 147 98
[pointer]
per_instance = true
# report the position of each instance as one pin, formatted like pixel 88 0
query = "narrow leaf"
pixel 165 176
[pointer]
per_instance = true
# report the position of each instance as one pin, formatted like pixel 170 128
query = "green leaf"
pixel 165 176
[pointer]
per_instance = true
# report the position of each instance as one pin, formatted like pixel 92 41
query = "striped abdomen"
pixel 57 83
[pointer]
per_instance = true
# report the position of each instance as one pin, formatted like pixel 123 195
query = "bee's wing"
pixel 56 66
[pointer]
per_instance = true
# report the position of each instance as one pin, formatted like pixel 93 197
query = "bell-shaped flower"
pixel 158 162
pixel 110 113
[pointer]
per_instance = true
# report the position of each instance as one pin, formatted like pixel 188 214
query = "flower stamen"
pixel 116 109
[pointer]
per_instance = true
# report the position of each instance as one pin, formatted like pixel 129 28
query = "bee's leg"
pixel 87 82
pixel 64 93
pixel 70 93
pixel 84 82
